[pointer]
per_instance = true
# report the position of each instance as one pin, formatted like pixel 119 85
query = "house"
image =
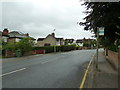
pixel 13 36
pixel 79 42
pixel 69 41
pixel 0 38
pixel 59 41
pixel 5 35
pixel 89 42
pixel 0 35
pixel 16 36
pixel 50 40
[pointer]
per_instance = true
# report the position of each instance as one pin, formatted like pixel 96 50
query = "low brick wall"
pixel 9 53
pixel 112 57
pixel 38 52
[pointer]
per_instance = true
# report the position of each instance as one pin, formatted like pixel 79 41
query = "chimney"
pixel 53 34
pixel 27 35
pixel 5 31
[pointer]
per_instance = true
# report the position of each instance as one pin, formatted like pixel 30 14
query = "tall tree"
pixel 103 14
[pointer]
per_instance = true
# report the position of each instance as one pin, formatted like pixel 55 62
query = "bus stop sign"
pixel 101 31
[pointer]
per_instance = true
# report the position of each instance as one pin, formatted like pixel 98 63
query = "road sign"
pixel 101 31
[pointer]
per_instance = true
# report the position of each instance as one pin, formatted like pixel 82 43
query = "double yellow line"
pixel 84 77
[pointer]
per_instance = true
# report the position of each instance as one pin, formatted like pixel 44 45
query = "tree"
pixel 103 14
pixel 25 45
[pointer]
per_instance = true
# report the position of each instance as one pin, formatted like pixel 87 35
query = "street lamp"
pixel 55 41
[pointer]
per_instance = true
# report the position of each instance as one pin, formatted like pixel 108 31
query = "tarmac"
pixel 106 76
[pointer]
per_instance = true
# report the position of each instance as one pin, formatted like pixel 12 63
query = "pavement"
pixel 103 77
pixel 60 70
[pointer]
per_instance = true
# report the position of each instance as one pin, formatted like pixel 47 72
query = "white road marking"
pixel 12 72
pixel 44 62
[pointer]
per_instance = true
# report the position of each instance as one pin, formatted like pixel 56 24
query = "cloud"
pixel 40 17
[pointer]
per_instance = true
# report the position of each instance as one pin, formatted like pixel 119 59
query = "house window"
pixel 47 44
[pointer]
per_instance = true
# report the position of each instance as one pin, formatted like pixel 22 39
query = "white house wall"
pixel 5 39
pixel 17 39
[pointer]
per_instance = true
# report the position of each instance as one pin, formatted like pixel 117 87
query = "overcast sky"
pixel 40 17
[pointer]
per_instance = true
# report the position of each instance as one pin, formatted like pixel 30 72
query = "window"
pixel 47 44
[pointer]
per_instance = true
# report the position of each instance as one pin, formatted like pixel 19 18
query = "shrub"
pixel 68 47
pixel 3 52
pixel 50 49
pixel 113 48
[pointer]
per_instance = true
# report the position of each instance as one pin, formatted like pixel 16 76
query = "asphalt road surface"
pixel 60 70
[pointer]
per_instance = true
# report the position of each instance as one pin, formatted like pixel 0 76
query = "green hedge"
pixel 3 52
pixel 68 47
pixel 50 49
pixel 113 48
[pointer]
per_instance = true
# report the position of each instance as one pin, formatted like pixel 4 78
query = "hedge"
pixel 50 49
pixel 113 48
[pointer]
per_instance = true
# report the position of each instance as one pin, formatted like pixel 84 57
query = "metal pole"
pixel 55 41
pixel 97 48
pixel 119 56
pixel 118 64
pixel 54 48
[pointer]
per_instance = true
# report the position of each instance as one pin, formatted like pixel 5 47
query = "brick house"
pixel 13 36
pixel 16 36
pixel 5 35
pixel 50 40
pixel 69 41
pixel 79 42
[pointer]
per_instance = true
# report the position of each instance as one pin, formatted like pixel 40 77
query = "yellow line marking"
pixel 84 77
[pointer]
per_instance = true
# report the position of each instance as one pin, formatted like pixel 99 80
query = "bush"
pixel 68 47
pixel 86 45
pixel 3 52
pixel 113 48
pixel 49 49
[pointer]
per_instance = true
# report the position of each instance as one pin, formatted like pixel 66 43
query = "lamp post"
pixel 55 41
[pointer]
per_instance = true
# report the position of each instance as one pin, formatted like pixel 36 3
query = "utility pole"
pixel 55 42
pixel 54 48
pixel 97 48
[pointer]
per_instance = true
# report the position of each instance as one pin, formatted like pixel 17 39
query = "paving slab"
pixel 106 76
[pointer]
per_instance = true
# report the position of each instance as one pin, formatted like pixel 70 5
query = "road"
pixel 60 70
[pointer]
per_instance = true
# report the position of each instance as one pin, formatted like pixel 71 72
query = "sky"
pixel 40 17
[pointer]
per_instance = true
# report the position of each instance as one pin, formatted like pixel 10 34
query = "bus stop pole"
pixel 97 48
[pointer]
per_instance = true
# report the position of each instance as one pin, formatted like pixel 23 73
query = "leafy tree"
pixel 25 45
pixel 103 14
pixel 9 46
